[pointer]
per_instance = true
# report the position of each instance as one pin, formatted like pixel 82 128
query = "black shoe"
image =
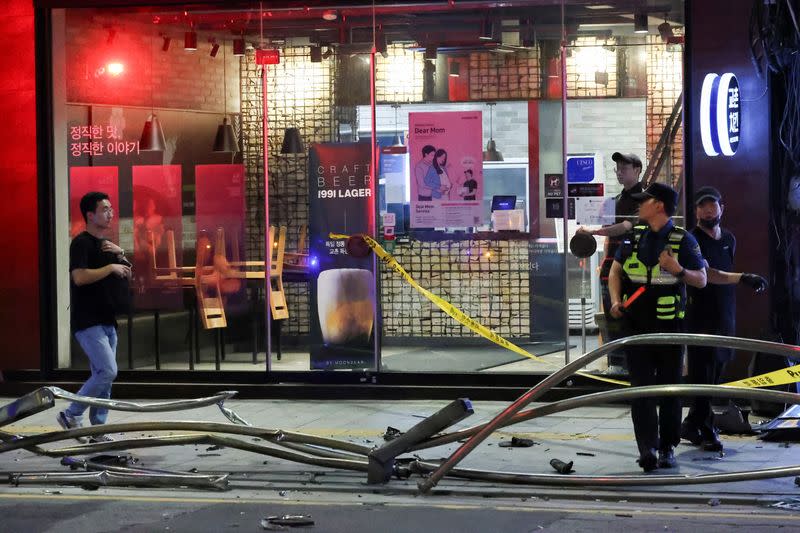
pixel 666 458
pixel 648 461
pixel 712 445
pixel 691 433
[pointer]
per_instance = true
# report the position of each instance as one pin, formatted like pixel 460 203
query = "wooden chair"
pixel 170 273
pixel 209 296
pixel 277 296
pixel 298 260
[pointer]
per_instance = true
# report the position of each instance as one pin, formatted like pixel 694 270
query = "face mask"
pixel 710 224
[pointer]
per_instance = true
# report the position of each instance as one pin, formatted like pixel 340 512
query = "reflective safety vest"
pixel 664 292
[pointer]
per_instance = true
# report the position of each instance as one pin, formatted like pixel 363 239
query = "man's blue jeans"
pixel 100 345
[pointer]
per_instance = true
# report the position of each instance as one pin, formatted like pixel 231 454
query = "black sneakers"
pixel 666 458
pixel 648 461
pixel 691 433
pixel 67 421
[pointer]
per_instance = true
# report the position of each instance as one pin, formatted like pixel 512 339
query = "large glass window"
pixel 236 146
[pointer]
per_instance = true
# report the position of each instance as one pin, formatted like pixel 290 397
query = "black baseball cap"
pixel 707 192
pixel 662 193
pixel 631 159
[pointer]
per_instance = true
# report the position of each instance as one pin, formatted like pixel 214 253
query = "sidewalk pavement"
pixel 598 439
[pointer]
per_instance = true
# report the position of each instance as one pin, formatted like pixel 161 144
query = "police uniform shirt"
pixel 625 208
pixel 652 243
pixel 713 309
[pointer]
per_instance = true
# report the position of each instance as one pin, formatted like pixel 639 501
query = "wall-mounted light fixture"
pixel 190 41
pixel 214 49
pixel 238 47
pixel 640 21
pixel 430 53
pixel 167 42
pixel 316 54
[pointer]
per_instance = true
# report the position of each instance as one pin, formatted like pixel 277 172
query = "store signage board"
pixel 720 114
pixel 580 169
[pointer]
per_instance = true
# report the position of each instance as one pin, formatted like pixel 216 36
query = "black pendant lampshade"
pixel 152 137
pixel 292 142
pixel 225 141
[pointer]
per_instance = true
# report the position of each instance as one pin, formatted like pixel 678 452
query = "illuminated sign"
pixel 720 114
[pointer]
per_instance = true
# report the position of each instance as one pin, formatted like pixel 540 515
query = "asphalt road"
pixel 68 510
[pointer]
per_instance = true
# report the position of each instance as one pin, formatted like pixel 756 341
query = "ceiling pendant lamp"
pixel 397 140
pixel 491 153
pixel 225 140
pixel 292 142
pixel 152 139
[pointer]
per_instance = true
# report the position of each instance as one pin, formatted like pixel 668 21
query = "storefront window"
pixel 243 232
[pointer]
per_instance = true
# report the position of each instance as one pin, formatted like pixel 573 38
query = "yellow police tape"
pixel 456 313
pixel 778 377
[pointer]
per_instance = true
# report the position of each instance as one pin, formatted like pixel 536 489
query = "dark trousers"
pixel 615 329
pixel 656 421
pixel 706 368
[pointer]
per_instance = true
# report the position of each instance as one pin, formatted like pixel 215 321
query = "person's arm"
pixel 694 271
pixel 615 289
pixel 87 276
pixel 614 230
pixel 720 277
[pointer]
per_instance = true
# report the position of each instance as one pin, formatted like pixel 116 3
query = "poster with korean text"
pixel 157 236
pixel 341 200
pixel 90 179
pixel 446 169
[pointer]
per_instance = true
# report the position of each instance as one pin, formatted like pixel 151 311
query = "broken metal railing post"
pixel 381 460
pixel 567 370
pixel 25 406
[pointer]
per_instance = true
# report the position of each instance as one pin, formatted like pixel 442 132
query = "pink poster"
pixel 157 233
pixel 446 169
pixel 220 204
pixel 89 179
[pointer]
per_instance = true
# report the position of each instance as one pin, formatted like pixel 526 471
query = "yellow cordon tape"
pixel 458 314
pixel 777 377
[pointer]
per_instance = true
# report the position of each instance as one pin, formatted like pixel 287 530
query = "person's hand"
pixel 668 262
pixel 109 246
pixel 584 230
pixel 120 271
pixel 616 310
pixel 755 282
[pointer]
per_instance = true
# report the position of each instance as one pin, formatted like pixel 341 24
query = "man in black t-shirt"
pixel 626 209
pixel 712 310
pixel 99 275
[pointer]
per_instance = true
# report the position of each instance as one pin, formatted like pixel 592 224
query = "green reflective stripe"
pixel 667 300
pixel 665 317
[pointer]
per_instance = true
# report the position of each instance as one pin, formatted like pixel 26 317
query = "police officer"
pixel 661 259
pixel 628 169
pixel 712 310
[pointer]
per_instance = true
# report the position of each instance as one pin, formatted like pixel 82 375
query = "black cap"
pixel 706 193
pixel 631 159
pixel 662 193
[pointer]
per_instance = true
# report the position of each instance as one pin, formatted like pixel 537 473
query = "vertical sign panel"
pixel 342 200
pixel 88 179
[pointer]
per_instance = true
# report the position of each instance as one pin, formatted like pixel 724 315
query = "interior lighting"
pixel 115 69
pixel 491 153
pixel 190 41
pixel 640 22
